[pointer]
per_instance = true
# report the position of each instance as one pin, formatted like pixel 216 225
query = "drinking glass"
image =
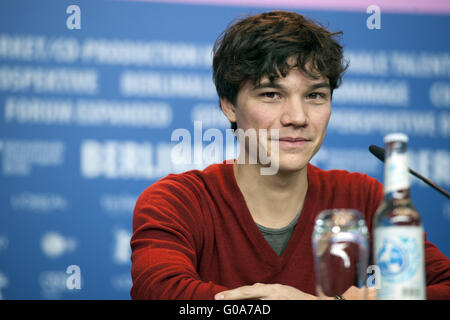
pixel 341 253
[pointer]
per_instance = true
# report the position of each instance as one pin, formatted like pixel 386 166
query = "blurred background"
pixel 91 91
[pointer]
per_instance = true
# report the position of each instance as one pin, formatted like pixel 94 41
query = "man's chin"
pixel 291 166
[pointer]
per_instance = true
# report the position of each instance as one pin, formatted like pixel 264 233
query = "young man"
pixel 229 232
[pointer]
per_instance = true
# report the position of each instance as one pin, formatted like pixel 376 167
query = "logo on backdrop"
pixel 54 245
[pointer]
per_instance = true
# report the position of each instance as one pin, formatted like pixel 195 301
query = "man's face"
pixel 298 106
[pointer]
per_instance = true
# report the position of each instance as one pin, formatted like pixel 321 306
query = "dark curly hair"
pixel 260 46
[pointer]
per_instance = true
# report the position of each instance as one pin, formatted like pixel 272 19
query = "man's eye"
pixel 317 95
pixel 270 95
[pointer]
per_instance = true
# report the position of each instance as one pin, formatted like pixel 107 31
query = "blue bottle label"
pixel 399 253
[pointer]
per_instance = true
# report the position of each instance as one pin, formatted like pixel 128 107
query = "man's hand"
pixel 263 291
pixel 355 293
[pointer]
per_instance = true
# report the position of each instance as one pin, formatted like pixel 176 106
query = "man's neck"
pixel 273 200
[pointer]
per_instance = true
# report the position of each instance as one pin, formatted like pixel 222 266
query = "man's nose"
pixel 295 113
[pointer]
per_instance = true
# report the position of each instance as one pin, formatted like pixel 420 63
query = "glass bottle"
pixel 398 230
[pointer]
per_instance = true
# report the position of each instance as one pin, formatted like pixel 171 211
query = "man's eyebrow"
pixel 320 85
pixel 276 85
pixel 271 84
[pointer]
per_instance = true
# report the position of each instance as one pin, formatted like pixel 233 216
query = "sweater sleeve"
pixel 437 267
pixel 165 242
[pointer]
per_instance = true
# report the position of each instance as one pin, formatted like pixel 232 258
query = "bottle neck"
pixel 396 171
pixel 398 195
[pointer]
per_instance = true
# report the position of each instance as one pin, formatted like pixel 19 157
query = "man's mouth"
pixel 293 141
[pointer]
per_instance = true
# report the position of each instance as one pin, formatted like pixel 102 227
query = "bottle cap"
pixel 401 137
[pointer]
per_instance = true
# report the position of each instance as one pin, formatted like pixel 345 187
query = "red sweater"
pixel 193 235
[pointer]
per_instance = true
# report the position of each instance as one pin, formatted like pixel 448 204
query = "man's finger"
pixel 255 291
pixel 371 293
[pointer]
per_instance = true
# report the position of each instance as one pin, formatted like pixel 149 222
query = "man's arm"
pixel 437 269
pixel 166 235
pixel 263 291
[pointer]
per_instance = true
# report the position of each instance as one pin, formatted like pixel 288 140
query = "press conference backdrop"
pixel 90 96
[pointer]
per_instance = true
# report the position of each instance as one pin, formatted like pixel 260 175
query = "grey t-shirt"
pixel 279 238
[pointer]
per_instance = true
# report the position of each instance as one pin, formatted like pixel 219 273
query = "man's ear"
pixel 228 109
